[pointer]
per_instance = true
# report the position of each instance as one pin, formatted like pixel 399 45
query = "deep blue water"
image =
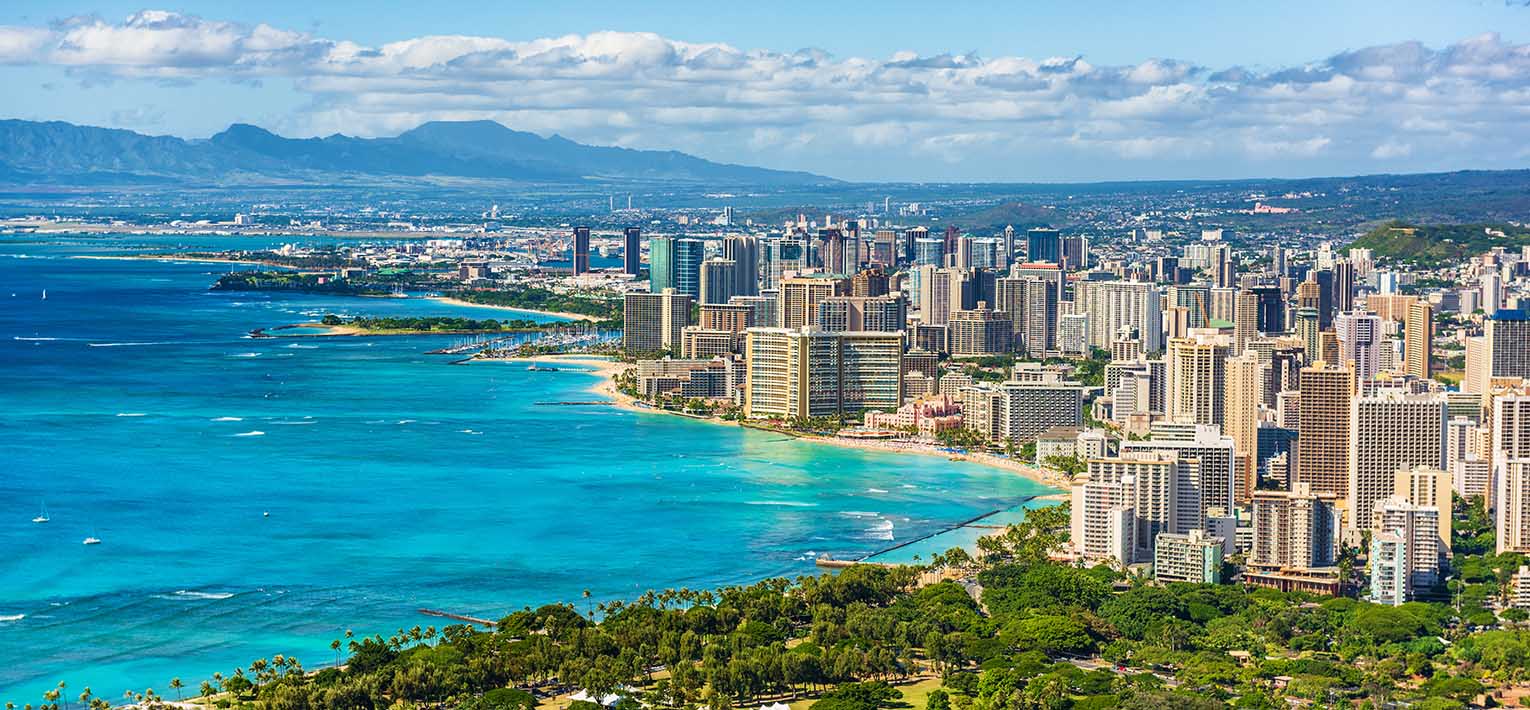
pixel 133 405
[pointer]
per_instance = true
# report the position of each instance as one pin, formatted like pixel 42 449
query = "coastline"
pixel 605 369
pixel 469 304
pixel 195 260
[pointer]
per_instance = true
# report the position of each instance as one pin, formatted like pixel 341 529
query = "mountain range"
pixel 56 152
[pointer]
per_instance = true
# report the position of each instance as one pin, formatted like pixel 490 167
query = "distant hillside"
pixel 64 153
pixel 1429 245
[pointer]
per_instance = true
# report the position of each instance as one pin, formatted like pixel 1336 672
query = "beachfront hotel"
pixel 808 372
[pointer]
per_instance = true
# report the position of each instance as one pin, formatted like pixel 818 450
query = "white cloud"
pixel 646 90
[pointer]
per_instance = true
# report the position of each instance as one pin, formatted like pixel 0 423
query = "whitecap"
pixel 251 433
pixel 908 485
pixel 129 344
pixel 875 490
pixel 22 337
pixel 785 503
pixel 857 514
pixel 227 419
pixel 469 431
pixel 131 414
pixel 245 355
pixel 406 421
pixel 303 423
pixel 190 594
pixel 12 617
pixel 300 346
pixel 882 530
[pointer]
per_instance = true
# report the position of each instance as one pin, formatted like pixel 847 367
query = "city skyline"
pixel 1427 90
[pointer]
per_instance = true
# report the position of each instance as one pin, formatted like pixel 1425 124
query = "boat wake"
pixel 251 433
pixel 228 419
pixel 131 414
pixel 11 618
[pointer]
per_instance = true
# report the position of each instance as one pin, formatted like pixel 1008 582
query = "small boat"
pixel 43 516
pixel 45 294
pixel 92 540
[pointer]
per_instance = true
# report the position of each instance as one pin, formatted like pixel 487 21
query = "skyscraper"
pixel 1389 431
pixel 1418 335
pixel 654 322
pixel 745 253
pixel 719 280
pixel 1043 244
pixel 1114 304
pixel 1241 405
pixel 809 372
pixel 581 250
pixel 1322 459
pixel 632 250
pixel 1197 369
pixel 799 297
pixel 1359 335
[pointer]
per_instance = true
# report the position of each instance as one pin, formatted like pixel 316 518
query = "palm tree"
pixel 587 610
pixel 176 684
pixel 336 646
pixel 206 689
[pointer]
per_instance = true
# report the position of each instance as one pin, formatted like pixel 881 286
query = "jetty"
pixel 458 617
pixel 831 563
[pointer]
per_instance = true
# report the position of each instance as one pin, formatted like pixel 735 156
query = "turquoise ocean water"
pixel 134 407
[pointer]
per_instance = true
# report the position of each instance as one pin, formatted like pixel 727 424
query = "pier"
pixel 459 617
pixel 831 563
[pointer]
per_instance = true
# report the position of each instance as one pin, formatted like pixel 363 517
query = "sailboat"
pixel 92 540
pixel 45 294
pixel 43 516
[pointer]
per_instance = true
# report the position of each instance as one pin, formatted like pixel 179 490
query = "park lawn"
pixel 916 694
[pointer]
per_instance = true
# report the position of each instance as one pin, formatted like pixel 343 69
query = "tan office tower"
pixel 1322 445
pixel 1197 376
pixel 719 280
pixel 981 331
pixel 1240 411
pixel 1429 487
pixel 799 296
pixel 1418 338
pixel 1389 430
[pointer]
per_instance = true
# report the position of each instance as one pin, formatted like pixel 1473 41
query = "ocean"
pixel 263 496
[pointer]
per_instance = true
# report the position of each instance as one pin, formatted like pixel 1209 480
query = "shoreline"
pixel 469 304
pixel 194 260
pixel 605 369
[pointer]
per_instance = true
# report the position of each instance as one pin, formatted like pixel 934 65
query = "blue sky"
pixel 888 90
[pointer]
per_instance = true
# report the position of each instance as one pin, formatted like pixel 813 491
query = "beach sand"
pixel 470 304
pixel 606 369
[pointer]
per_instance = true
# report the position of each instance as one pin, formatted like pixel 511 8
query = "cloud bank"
pixel 1397 107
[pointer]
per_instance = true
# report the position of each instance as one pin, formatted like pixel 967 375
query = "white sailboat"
pixel 43 516
pixel 92 540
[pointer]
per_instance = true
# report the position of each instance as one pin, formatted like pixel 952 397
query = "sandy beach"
pixel 470 304
pixel 605 369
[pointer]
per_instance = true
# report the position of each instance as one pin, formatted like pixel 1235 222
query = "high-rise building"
pixel 854 313
pixel 1410 555
pixel 719 278
pixel 1214 481
pixel 581 258
pixel 1043 244
pixel 675 263
pixel 1308 331
pixel 1075 253
pixel 763 307
pixel 782 256
pixel 1197 370
pixel 870 283
pixel 1294 530
pixel 1507 339
pixel 1430 487
pixel 1343 286
pixel 1018 412
pixel 1148 487
pixel 1389 431
pixel 745 253
pixel 1322 459
pixel 1112 305
pixel 1242 399
pixel 1510 455
pixel 1360 339
pixel 980 331
pixel 655 322
pixel 1245 319
pixel 807 372
pixel 800 295
pixel 632 250
pixel 730 317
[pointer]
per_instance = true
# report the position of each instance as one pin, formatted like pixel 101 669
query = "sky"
pixel 891 90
